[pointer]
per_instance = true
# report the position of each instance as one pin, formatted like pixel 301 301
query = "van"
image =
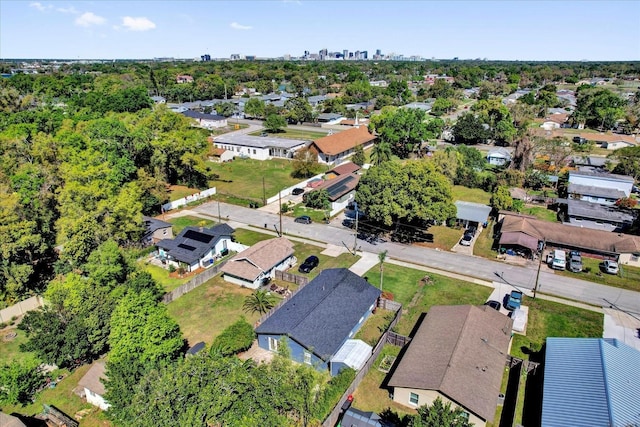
pixel 559 261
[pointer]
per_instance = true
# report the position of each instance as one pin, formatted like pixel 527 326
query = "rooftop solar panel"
pixel 187 247
pixel 197 236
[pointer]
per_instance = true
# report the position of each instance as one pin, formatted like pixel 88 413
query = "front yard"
pixel 627 278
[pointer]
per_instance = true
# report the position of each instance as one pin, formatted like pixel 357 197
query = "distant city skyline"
pixel 495 30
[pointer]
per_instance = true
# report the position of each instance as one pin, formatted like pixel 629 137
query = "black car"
pixel 309 264
pixel 304 219
pixel 297 191
pixel 493 304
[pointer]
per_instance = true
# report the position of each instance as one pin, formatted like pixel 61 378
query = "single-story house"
pixel 91 388
pixel 159 99
pixel 207 121
pixel 610 141
pixel 259 147
pixel 356 418
pixel 597 216
pixel 220 155
pixel 343 169
pixel 7 420
pixel 196 246
pixel 469 213
pixel 499 157
pixel 590 382
pixel 341 190
pixel 528 232
pixel 322 318
pixel 255 264
pixel 156 230
pixel 329 117
pixel 424 106
pixel 599 187
pixel 554 121
pixel 459 354
pixel 184 78
pixel 335 148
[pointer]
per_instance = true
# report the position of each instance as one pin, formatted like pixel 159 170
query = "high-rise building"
pixel 378 52
pixel 323 54
pixel 345 54
pixel 205 57
pixel 365 54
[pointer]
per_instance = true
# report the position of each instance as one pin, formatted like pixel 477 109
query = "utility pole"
pixel 535 288
pixel 264 194
pixel 355 237
pixel 280 211
pixel 219 216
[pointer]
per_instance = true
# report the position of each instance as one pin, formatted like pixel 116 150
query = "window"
pixel 254 151
pixel 273 344
pixel 307 358
pixel 413 399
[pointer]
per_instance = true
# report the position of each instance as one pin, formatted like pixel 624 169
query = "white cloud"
pixel 39 6
pixel 72 10
pixel 137 24
pixel 237 26
pixel 292 1
pixel 88 19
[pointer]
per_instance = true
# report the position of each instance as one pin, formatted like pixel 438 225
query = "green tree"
pixel 440 414
pixel 19 381
pixel 358 156
pixel 275 123
pixel 406 192
pixel 317 199
pixel 298 110
pixel 381 152
pixel 628 161
pixel 470 129
pixel 442 106
pixel 598 107
pixel 501 199
pixel 404 129
pixel 254 108
pixel 258 302
pixel 305 163
pixel 235 338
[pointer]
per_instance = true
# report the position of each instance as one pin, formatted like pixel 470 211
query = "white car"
pixel 466 240
pixel 610 267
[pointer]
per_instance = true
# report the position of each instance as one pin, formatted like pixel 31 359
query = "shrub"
pixel 234 339
pixel 172 268
pixel 330 395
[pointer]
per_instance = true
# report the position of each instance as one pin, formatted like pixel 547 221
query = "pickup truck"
pixel 513 300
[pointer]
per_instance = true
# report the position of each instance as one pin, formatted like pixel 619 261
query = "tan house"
pixel 91 388
pixel 252 266
pixel 335 148
pixel 459 354
pixel 610 141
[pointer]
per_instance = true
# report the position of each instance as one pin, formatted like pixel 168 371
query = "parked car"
pixel 471 230
pixel 514 299
pixel 575 261
pixel 297 191
pixel 493 304
pixel 466 240
pixel 304 219
pixel 610 267
pixel 309 264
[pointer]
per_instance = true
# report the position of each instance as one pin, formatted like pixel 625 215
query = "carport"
pixel 519 240
pixel 469 213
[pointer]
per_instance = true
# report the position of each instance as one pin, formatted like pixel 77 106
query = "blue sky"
pixel 506 30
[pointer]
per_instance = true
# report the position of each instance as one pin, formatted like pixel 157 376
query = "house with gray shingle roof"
pixel 207 121
pixel 458 354
pixel 590 382
pixel 196 247
pixel 599 187
pixel 320 319
pixel 252 266
pixel 91 387
pixel 155 230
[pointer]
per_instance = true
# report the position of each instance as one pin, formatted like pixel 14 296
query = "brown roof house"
pixel 610 141
pixel 257 264
pixel 341 191
pixel 335 148
pixel 458 354
pixel 91 388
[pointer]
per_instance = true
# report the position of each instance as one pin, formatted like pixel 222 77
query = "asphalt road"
pixel 481 268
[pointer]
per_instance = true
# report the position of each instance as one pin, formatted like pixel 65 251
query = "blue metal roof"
pixel 590 382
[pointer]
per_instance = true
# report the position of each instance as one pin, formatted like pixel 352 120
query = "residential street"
pixel 480 268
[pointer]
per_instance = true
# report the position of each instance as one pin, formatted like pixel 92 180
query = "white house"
pixel 259 147
pixel 252 266
pixel 207 121
pixel 196 247
pixel 599 187
pixel 334 149
pixel 91 388
pixel 499 157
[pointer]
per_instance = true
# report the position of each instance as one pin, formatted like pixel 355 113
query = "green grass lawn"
pixel 551 319
pixel 179 191
pixel 627 278
pixel 484 243
pixel 417 298
pixel 161 276
pixel 243 178
pixel 315 214
pixel 179 223
pixel 443 237
pixel 64 399
pixel 475 195
pixel 10 350
pixel 250 237
pixel 291 133
pixel 541 212
pixel 207 310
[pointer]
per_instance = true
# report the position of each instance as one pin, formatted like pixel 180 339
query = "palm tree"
pixel 380 153
pixel 382 256
pixel 258 302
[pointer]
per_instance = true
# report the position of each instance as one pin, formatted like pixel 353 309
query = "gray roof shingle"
pixel 192 242
pixel 321 315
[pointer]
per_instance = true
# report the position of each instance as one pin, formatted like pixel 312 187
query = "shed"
pixel 468 212
pixel 7 420
pixel 356 418
pixel 353 354
pixel 197 347
pixel 92 387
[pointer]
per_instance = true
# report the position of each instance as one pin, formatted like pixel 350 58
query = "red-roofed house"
pixel 339 146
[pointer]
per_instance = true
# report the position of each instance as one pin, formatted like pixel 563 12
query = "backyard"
pixel 627 278
pixel 291 133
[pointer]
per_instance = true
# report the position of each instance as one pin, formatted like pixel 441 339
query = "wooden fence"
pixel 331 420
pixel 291 278
pixel 397 339
pixel 193 283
